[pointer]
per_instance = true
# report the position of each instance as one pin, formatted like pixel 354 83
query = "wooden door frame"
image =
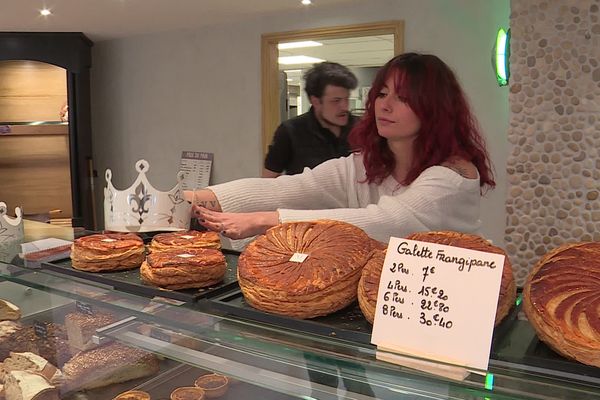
pixel 270 53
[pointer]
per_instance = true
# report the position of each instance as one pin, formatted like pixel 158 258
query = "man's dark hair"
pixel 328 73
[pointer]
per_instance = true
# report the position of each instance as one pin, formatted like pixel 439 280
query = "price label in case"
pixel 40 329
pixel 443 300
pixel 84 308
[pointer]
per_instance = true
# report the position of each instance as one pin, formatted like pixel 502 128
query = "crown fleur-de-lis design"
pixel 140 201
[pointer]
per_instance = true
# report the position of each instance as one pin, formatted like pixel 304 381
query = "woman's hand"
pixel 202 197
pixel 236 225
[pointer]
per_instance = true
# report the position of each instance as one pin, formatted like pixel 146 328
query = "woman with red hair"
pixel 419 164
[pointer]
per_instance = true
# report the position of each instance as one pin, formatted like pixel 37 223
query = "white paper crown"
pixel 142 208
pixel 11 229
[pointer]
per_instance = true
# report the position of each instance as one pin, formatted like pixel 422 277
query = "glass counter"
pixel 267 359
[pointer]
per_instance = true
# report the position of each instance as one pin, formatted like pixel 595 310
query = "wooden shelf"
pixel 20 130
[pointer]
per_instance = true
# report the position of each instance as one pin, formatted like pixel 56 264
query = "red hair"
pixel 448 128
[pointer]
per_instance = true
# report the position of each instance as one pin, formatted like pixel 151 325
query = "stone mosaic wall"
pixel 553 166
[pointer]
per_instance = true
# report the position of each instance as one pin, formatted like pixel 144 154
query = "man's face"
pixel 332 107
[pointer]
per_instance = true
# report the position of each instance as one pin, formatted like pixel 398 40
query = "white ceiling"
pixel 112 19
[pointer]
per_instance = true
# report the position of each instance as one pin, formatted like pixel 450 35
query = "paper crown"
pixel 11 233
pixel 11 229
pixel 142 208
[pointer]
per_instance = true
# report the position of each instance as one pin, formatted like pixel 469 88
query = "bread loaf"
pixel 52 345
pixel 25 385
pixel 9 311
pixel 81 327
pixel 31 362
pixel 106 365
pixel 7 328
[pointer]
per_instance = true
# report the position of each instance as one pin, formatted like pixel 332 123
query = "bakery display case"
pixel 107 339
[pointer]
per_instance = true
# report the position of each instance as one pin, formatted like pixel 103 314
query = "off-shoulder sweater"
pixel 439 199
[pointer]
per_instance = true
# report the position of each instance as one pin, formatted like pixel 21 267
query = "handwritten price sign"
pixel 438 302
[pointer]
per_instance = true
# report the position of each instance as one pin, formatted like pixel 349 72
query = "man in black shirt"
pixel 319 134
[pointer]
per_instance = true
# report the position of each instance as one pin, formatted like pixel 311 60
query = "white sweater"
pixel 439 199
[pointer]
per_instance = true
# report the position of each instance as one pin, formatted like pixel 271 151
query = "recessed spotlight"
pixel 306 2
pixel 45 12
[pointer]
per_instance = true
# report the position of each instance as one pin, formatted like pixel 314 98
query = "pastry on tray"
pixel 369 283
pixel 304 269
pixel 561 298
pixel 107 252
pixel 133 395
pixel 183 269
pixel 368 286
pixel 185 240
pixel 188 393
pixel 214 385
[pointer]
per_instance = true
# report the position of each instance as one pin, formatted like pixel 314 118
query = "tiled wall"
pixel 554 135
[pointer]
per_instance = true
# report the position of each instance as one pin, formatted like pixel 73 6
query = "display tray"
pixel 160 387
pixel 347 324
pixel 131 282
pixel 519 344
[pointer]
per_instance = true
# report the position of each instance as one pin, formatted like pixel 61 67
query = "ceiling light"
pixel 292 71
pixel 306 2
pixel 45 12
pixel 298 45
pixel 299 60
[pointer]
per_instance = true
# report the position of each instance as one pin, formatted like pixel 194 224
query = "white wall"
pixel 156 95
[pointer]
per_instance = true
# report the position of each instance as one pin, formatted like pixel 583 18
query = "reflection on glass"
pixel 363 55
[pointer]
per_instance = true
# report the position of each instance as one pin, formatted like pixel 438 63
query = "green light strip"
pixel 489 381
pixel 501 73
